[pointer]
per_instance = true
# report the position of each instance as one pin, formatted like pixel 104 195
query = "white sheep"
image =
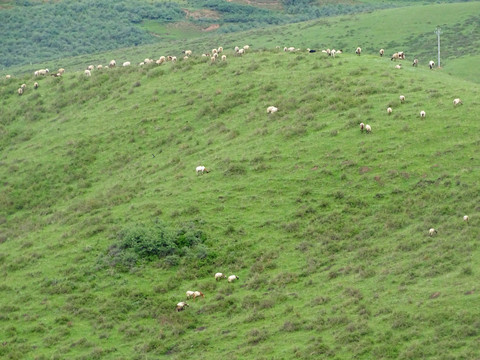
pixel 147 61
pixel 61 71
pixel 381 52
pixel 291 48
pixel 161 60
pixel 201 170
pixel 181 306
pixel 214 51
pixel 190 294
pixel 422 114
pixel 185 57
pixel 272 110
pixel 8 77
pixel 198 294
pixel 398 66
pixel 246 47
pixel 35 85
pixel 112 63
pixel 141 63
pixel 431 64
pixel 126 63
pixel 220 49
pixel 389 110
pixel 232 278
pixel 219 276
pixel 237 48
pixel 88 73
pixel 432 232
pixel 466 218
pixel 224 57
pixel 402 98
pixel 23 86
pixel 415 62
pixel 99 67
pixel 368 129
pixel 90 67
pixel 241 52
pixel 362 127
pixel 174 58
pixel 20 91
pixel 394 56
pixel 358 51
pixel 212 59
pixel 457 102
pixel 187 52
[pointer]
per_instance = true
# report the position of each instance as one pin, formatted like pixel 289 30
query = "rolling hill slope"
pixel 104 224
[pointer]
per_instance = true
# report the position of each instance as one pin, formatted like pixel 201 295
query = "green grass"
pixel 326 227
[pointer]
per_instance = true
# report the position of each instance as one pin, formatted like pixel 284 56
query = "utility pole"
pixel 438 31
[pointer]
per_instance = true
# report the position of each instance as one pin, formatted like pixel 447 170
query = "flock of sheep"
pixel 182 305
pixel 213 55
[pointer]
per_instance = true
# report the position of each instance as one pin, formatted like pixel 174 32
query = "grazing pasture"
pixel 104 224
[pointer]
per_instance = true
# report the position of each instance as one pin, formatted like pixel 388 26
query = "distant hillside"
pixel 38 31
pixel 104 223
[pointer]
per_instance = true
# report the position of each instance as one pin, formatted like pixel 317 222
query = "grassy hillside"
pixel 104 224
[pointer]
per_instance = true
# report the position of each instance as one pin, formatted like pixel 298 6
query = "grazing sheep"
pixel 398 66
pixel 61 71
pixel 232 278
pixel 402 98
pixel 389 110
pixel 126 63
pixel 362 127
pixel 220 49
pixel 181 306
pixel 432 232
pixel 381 52
pixel 457 102
pixel 161 60
pixel 8 77
pixel 185 57
pixel 23 86
pixel 187 52
pixel 326 52
pixel 422 114
pixel 214 51
pixel 20 91
pixel 35 85
pixel 241 52
pixel 141 63
pixel 88 73
pixel 415 62
pixel 112 63
pixel 219 276
pixel 401 55
pixel 198 294
pixel 212 59
pixel 201 169
pixel 174 58
pixel 41 72
pixel 246 47
pixel 190 294
pixel 466 218
pixel 237 48
pixel 147 61
pixel 358 51
pixel 99 67
pixel 224 57
pixel 271 110
pixel 90 67
pixel 394 56
pixel 368 129
pixel 431 64
pixel 291 48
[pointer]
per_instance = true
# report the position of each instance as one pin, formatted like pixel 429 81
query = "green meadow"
pixel 105 224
